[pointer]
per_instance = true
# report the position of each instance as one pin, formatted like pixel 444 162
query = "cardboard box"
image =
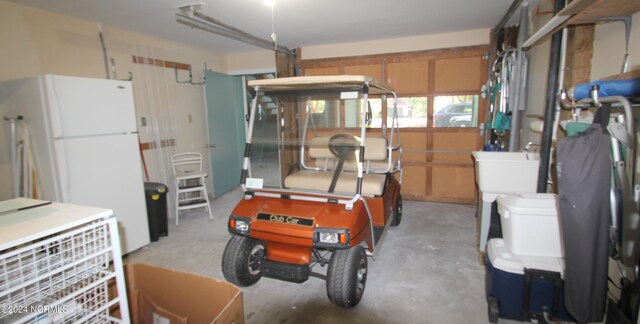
pixel 158 295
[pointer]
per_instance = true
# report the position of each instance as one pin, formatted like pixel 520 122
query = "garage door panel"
pixel 453 182
pixel 322 71
pixel 414 182
pixel 458 74
pixel 454 142
pixel 372 70
pixel 414 142
pixel 437 161
pixel 409 77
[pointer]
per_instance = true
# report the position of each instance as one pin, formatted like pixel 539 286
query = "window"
pixel 325 112
pixel 455 111
pixel 353 113
pixel 412 111
pixel 328 111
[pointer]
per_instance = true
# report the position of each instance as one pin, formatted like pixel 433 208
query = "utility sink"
pixel 500 173
pixel 506 172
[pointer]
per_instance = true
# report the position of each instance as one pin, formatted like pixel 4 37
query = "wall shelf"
pixel 590 11
pixel 584 12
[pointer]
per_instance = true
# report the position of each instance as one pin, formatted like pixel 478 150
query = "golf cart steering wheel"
pixel 343 146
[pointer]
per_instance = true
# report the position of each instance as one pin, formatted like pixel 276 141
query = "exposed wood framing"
pixel 579 53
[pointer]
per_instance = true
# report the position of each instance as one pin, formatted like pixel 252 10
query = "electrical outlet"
pixel 143 121
pixel 189 118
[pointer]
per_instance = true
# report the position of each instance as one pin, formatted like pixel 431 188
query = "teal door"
pixel 226 129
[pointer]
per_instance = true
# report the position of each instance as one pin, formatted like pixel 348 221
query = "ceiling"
pixel 298 23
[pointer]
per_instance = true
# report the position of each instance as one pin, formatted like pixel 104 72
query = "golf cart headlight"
pixel 331 237
pixel 242 226
pixel 239 225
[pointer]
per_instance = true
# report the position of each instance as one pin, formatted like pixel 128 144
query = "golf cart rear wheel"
pixel 241 261
pixel 397 212
pixel 347 276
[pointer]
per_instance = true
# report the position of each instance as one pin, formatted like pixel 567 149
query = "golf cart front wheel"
pixel 347 276
pixel 242 259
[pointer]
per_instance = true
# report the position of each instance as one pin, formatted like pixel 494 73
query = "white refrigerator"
pixel 84 144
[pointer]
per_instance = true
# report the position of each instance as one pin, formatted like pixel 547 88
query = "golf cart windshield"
pixel 321 135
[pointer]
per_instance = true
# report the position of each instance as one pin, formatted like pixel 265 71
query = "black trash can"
pixel 156 197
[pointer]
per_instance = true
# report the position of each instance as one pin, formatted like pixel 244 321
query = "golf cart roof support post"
pixel 383 122
pixel 303 134
pixel 373 237
pixel 246 167
pixel 394 121
pixel 395 132
pixel 246 161
pixel 363 134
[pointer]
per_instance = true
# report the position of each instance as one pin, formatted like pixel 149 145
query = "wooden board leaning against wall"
pixel 437 144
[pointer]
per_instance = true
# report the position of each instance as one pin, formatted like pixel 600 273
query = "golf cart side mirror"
pixel 369 116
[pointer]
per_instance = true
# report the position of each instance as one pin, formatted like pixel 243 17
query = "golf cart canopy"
pixel 319 135
pixel 320 83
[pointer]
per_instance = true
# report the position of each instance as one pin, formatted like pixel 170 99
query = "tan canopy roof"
pixel 321 82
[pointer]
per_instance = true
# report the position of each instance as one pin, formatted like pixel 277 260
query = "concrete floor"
pixel 427 270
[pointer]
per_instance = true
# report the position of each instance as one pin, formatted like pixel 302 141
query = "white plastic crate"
pixel 507 172
pixel 60 273
pixel 530 225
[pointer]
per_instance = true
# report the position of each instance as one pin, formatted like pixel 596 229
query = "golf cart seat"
pixel 319 179
pixel 372 184
pixel 376 155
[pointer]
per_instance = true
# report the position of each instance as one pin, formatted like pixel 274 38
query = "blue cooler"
pixel 523 287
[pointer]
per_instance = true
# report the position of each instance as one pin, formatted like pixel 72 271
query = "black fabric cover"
pixel 584 182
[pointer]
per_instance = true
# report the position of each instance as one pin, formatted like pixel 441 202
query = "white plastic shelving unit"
pixel 57 263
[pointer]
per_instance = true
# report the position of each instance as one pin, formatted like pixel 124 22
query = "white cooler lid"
pixel 542 204
pixel 501 258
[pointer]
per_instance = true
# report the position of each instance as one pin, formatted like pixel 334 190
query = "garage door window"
pixel 412 111
pixel 455 111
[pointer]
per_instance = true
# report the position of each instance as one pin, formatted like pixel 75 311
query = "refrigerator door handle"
pixel 63 172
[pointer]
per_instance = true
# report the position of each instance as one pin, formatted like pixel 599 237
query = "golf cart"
pixel 314 192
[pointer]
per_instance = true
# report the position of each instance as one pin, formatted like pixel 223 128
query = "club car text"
pixel 285 219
